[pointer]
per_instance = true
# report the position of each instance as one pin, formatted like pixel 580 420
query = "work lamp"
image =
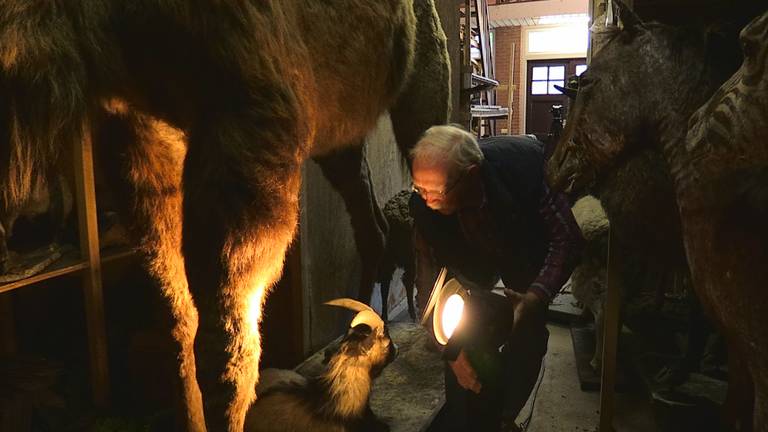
pixel 477 318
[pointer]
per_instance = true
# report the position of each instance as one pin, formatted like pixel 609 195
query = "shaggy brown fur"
pixel 215 105
pixel 718 171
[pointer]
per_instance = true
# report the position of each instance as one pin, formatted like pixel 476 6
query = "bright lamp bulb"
pixel 452 312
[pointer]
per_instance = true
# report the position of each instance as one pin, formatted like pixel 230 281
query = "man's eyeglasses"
pixel 440 193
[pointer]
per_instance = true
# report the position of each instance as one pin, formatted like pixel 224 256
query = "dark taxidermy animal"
pixel 717 156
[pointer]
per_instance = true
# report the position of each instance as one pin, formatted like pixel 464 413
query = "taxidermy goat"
pixel 337 400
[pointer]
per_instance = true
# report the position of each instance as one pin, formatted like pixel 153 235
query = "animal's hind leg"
pixel 241 187
pixel 150 174
pixel 347 170
pixel 386 268
pixel 409 279
pixel 425 100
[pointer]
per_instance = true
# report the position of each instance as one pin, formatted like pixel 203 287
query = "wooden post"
pixel 511 86
pixel 451 22
pixel 89 251
pixel 7 329
pixel 610 335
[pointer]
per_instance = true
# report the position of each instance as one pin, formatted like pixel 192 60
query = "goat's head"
pixel 367 342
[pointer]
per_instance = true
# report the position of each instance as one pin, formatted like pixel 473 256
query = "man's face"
pixel 436 183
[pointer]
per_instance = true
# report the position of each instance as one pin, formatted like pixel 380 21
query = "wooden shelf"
pixel 489 111
pixel 87 264
pixel 69 263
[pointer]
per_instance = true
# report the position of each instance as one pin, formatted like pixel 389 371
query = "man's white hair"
pixel 448 143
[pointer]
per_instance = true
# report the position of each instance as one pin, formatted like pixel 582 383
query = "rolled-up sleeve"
pixel 565 245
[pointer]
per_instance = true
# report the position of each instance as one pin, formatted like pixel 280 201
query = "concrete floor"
pixel 560 405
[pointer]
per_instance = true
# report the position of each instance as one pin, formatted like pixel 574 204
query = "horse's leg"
pixel 385 278
pixel 409 278
pixel 427 270
pixel 425 100
pixel 150 174
pixel 241 186
pixel 348 172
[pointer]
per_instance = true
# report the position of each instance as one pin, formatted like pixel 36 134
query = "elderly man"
pixel 484 212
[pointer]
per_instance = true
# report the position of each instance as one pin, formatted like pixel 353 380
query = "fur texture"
pixel 337 400
pixel 208 110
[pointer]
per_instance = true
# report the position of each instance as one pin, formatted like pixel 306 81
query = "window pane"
pixel 565 38
pixel 552 89
pixel 539 73
pixel 539 87
pixel 556 72
pixel 580 68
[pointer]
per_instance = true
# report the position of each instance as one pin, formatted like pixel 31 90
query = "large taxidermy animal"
pixel 716 153
pixel 209 109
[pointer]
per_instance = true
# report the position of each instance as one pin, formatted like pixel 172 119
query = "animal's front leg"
pixel 240 212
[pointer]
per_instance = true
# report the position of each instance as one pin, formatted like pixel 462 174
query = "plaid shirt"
pixel 564 241
pixel 565 245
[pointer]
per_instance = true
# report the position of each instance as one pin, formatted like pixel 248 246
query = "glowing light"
pixel 565 38
pixel 452 313
pixel 253 310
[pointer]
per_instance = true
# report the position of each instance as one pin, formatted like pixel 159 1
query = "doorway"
pixel 543 75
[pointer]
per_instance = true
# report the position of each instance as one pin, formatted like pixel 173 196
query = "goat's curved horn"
pixel 350 304
pixel 369 318
pixel 365 314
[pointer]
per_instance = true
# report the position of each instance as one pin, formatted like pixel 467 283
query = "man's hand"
pixel 465 373
pixel 529 311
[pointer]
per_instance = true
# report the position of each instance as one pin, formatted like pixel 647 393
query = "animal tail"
pixel 42 94
pixel 425 100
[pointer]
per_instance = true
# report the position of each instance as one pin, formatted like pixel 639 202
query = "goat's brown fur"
pixel 216 106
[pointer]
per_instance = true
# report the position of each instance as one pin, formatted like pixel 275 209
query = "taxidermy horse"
pixel 641 90
pixel 210 108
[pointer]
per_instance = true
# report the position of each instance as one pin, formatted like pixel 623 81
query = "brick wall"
pixel 503 39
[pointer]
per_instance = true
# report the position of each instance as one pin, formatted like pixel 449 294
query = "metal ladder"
pixel 478 95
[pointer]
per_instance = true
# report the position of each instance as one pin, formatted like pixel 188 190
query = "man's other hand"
pixel 529 312
pixel 465 373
